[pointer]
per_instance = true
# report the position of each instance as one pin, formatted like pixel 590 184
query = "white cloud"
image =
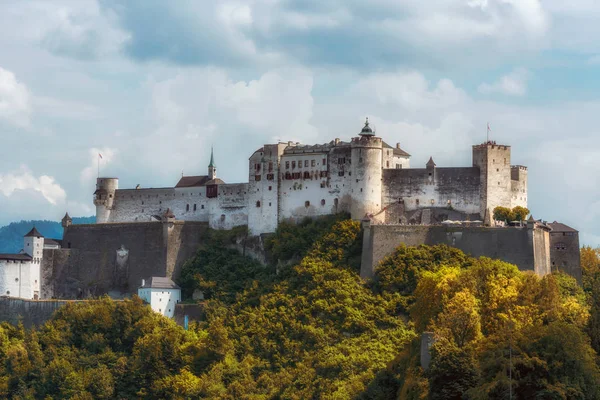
pixel 513 84
pixel 15 102
pixel 23 179
pixel 97 163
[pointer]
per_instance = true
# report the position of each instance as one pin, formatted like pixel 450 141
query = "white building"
pixel 365 177
pixel 20 273
pixel 161 293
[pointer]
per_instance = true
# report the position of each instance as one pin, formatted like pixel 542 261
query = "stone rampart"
pixel 514 245
pixel 104 258
pixel 29 312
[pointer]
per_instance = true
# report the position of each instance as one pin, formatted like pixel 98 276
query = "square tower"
pixel 493 161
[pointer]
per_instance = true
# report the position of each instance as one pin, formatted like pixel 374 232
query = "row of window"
pixel 257 167
pixel 306 203
pixel 313 163
pixel 304 175
pixel 187 207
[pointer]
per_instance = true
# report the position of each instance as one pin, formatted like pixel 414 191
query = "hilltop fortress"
pixel 151 232
pixel 365 177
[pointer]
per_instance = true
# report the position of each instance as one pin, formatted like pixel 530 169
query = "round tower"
pixel 104 198
pixel 367 153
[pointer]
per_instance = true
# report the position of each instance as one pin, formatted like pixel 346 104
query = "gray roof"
pixel 559 227
pixel 52 242
pixel 34 233
pixel 159 282
pixel 192 181
pixel 16 257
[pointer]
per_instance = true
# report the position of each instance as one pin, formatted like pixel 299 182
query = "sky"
pixel 152 85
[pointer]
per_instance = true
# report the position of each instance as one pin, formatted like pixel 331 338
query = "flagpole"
pixel 98 165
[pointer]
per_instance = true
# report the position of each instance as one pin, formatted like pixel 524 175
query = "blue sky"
pixel 152 85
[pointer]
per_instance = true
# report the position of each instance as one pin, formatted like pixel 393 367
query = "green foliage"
pixel 505 214
pixel 316 330
pixel 291 241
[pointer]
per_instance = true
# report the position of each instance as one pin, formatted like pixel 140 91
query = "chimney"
pixel 337 141
pixel 397 145
pixel 290 143
pixel 143 282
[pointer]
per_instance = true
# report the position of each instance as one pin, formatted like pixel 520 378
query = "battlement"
pixel 367 140
pixel 491 145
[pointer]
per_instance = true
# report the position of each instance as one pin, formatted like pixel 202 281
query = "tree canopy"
pixel 307 326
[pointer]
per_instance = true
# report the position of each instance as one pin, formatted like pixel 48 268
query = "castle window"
pixel 202 206
pixel 342 160
pixel 335 202
pixel 270 187
pixel 324 161
pixel 560 246
pixel 288 175
pixel 270 177
pixel 307 203
pixel 361 190
pixel 110 195
pixel 257 178
pixel 293 164
pixel 398 166
pixel 16 279
pixel 222 217
pixel 341 173
pixel 498 183
pixel 270 166
pixel 258 203
pixel 323 174
pixel 313 163
pixel 187 207
pixel 269 204
pixel 306 163
pixel 360 160
pixel 195 207
pixel 257 167
pixel 287 165
pixel 306 175
pixel 322 202
pixel 142 202
pixel 417 201
pixel 387 164
pixel 497 169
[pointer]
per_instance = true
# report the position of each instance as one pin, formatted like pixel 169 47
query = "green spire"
pixel 212 159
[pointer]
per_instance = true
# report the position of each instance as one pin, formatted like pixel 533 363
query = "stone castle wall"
pixel 114 258
pixel 513 245
pixel 458 188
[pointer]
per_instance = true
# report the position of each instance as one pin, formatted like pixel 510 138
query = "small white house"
pixel 20 273
pixel 161 293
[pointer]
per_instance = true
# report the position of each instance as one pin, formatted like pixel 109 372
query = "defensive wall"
pixel 29 312
pixel 527 247
pixel 36 312
pixel 113 258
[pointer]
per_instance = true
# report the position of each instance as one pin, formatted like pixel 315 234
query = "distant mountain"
pixel 11 235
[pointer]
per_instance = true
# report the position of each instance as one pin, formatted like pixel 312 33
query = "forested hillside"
pixel 11 235
pixel 308 327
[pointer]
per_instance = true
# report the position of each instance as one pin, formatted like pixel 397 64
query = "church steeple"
pixel 212 169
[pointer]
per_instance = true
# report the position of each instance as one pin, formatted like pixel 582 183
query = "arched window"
pixel 258 203
pixel 307 203
pixel 195 207
pixel 187 207
pixel 322 202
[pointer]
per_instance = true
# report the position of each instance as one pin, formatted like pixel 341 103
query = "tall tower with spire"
pixel 212 169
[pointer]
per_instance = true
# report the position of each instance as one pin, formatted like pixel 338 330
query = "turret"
pixel 104 198
pixel 66 221
pixel 33 244
pixel 212 168
pixel 367 152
